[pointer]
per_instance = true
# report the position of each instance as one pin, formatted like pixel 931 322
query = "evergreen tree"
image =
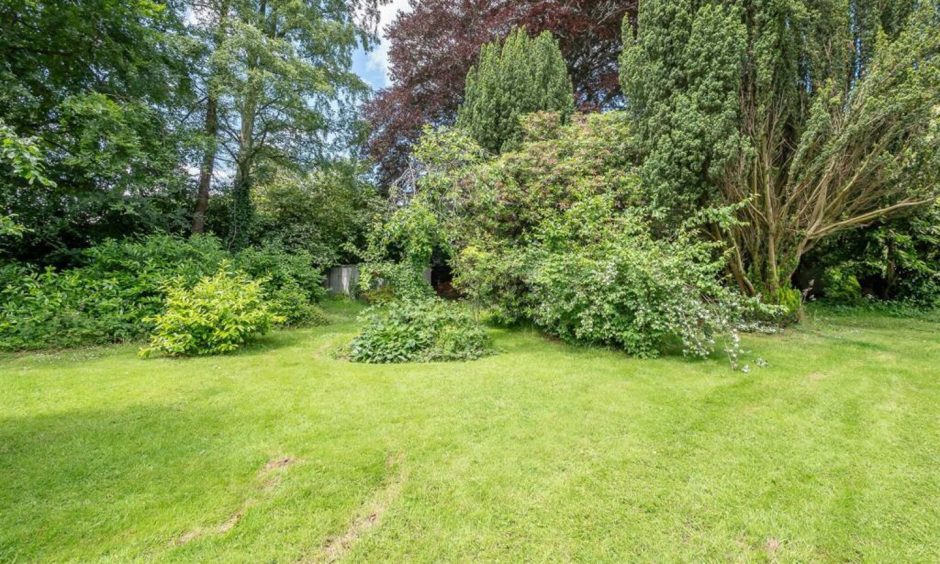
pixel 815 116
pixel 433 45
pixel 521 76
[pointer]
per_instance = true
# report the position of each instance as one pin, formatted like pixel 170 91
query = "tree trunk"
pixel 211 130
pixel 208 166
pixel 242 213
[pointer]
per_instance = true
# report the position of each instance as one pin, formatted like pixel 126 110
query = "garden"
pixel 630 280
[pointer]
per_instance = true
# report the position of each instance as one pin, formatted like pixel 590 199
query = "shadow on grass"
pixel 71 478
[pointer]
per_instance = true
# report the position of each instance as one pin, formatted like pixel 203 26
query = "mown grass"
pixel 542 452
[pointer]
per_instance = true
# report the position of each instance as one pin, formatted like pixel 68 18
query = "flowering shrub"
pixel 603 279
pixel 419 331
pixel 218 315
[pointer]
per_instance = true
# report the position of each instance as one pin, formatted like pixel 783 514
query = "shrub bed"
pixel 121 286
pixel 419 331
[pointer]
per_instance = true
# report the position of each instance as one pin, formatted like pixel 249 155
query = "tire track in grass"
pixel 269 477
pixel 368 517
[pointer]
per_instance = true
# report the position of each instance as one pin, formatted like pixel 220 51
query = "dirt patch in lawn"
pixel 278 463
pixel 219 529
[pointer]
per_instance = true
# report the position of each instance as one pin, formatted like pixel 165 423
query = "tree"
pixel 24 159
pixel 279 90
pixel 434 45
pixel 325 213
pixel 519 77
pixel 819 117
pixel 99 85
pixel 209 28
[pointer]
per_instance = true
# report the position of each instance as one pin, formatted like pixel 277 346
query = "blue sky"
pixel 373 66
pixel 364 66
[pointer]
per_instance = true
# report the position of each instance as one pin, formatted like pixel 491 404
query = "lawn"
pixel 542 452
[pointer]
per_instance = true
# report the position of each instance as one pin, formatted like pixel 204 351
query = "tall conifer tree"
pixel 521 76
pixel 818 116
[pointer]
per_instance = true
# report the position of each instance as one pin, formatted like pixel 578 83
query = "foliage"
pixel 326 213
pixel 399 252
pixel 218 315
pixel 106 300
pixel 40 309
pixel 682 74
pixel 23 156
pixel 601 278
pixel 507 197
pixel 821 117
pixel 291 286
pixel 122 284
pixel 559 232
pixel 128 99
pixel 842 286
pixel 492 207
pixel 897 260
pixel 433 46
pixel 96 84
pixel 280 70
pixel 428 330
pixel 463 199
pixel 519 77
pixel 25 160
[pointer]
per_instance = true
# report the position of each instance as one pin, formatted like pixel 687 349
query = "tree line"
pixel 815 123
pixel 144 110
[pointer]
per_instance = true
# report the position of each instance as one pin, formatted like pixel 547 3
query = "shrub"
pixel 603 279
pixel 121 285
pixel 399 251
pixel 291 285
pixel 218 315
pixel 40 309
pixel 787 305
pixel 419 331
pixel 842 286
pixel 292 305
pixel 897 260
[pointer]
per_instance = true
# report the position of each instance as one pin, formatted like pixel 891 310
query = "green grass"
pixel 542 452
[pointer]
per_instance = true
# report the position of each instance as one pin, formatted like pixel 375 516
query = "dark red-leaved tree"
pixel 435 44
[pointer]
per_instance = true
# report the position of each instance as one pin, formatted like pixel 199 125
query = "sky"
pixel 373 66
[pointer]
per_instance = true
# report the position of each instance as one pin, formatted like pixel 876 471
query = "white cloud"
pixel 378 58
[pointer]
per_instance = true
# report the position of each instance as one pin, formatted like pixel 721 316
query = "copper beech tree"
pixel 434 45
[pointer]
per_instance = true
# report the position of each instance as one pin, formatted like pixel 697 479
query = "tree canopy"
pixel 522 76
pixel 433 46
pixel 818 116
pixel 128 101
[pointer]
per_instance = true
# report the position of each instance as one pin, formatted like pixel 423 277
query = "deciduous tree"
pixel 279 89
pixel 98 84
pixel 434 45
